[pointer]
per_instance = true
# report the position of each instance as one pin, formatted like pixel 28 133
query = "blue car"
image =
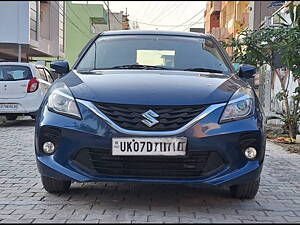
pixel 151 106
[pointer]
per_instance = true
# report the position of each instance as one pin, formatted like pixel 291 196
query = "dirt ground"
pixel 292 148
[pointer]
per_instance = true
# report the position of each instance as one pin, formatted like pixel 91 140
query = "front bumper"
pixel 228 140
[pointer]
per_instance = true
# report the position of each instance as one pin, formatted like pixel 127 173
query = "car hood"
pixel 147 87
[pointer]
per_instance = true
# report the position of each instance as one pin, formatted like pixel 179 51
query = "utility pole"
pixel 108 10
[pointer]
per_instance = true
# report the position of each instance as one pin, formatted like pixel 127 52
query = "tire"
pixel 11 117
pixel 245 191
pixel 55 186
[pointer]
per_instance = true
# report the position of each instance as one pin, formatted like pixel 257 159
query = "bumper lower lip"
pixel 250 171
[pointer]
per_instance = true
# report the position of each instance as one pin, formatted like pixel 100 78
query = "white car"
pixel 22 88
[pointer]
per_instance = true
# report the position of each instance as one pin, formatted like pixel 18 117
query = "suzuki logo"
pixel 150 118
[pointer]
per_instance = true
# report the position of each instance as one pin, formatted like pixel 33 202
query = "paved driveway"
pixel 22 198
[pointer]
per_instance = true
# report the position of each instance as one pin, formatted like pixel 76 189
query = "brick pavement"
pixel 23 200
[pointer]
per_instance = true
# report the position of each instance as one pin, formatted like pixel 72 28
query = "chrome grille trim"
pixel 202 115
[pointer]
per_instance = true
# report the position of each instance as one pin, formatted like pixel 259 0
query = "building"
pixel 197 30
pixel 117 21
pixel 226 19
pixel 259 11
pixel 31 29
pixel 82 19
pixel 212 18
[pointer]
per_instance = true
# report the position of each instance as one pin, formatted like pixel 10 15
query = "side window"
pixel 42 74
pixel 49 77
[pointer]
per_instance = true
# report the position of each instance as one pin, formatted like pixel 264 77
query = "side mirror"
pixel 246 71
pixel 60 66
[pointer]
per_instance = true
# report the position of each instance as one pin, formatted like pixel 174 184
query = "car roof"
pixel 154 32
pixel 22 64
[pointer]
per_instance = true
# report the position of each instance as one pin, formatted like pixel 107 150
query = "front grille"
pixel 170 117
pixel 197 164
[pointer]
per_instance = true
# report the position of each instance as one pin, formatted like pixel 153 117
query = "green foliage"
pixel 281 95
pixel 259 47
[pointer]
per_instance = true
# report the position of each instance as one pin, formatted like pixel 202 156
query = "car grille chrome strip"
pixel 202 115
pixel 150 117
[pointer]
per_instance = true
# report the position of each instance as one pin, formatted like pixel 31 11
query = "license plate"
pixel 149 146
pixel 8 107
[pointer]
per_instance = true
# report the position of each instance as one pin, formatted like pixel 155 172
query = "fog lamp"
pixel 250 153
pixel 48 147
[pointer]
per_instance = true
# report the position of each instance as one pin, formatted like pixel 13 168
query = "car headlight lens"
pixel 62 101
pixel 240 105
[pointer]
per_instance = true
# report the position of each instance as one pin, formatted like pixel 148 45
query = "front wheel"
pixel 55 186
pixel 245 191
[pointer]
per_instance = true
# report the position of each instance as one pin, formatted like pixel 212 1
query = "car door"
pixel 14 80
pixel 44 83
pixel 49 76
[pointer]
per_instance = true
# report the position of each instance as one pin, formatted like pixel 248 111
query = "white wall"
pixel 48 41
pixel 277 105
pixel 14 22
pixel 114 24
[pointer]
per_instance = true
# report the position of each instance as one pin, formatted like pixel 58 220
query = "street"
pixel 23 200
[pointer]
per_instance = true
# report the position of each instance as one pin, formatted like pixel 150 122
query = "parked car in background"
pixel 22 88
pixel 152 106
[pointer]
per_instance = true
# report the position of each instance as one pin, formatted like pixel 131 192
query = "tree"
pixel 261 46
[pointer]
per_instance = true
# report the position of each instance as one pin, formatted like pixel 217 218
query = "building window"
pixel 61 26
pixel 96 24
pixel 33 20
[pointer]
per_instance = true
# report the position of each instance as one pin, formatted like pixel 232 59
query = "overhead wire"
pixel 79 19
pixel 173 25
pixel 68 18
pixel 170 11
pixel 158 12
pixel 193 23
pixel 148 7
pixel 183 11
pixel 112 13
pixel 88 12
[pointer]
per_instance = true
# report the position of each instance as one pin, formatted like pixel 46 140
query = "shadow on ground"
pixel 27 121
pixel 122 192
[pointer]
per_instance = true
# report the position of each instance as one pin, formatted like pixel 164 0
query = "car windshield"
pixel 14 73
pixel 154 52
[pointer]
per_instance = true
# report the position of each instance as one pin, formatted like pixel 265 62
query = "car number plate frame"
pixel 168 146
pixel 9 107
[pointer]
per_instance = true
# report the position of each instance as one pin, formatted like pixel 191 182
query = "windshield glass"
pixel 151 51
pixel 14 73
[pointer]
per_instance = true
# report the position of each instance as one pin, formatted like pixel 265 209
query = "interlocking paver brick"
pixel 163 219
pixel 183 219
pixel 294 219
pixel 23 199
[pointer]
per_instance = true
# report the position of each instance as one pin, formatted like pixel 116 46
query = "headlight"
pixel 240 105
pixel 62 101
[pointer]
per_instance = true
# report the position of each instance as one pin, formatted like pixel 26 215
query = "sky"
pixel 161 15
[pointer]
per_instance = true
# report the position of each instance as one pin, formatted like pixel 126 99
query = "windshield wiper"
pixel 203 70
pixel 135 66
pixel 85 71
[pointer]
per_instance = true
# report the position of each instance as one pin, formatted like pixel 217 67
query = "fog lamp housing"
pixel 250 153
pixel 48 147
